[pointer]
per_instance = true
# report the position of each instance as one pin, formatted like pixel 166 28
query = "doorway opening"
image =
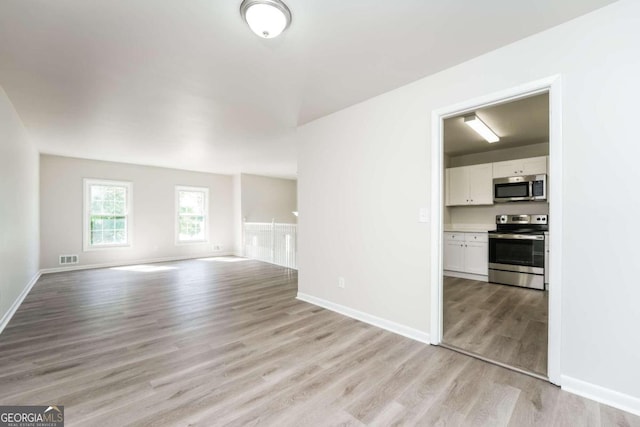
pixel 491 310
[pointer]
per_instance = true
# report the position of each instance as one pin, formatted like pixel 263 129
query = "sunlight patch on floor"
pixel 144 268
pixel 224 259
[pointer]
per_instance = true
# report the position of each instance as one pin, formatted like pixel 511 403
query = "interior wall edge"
pixel 18 301
pixel 397 328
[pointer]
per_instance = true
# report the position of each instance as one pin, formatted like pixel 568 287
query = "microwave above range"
pixel 528 188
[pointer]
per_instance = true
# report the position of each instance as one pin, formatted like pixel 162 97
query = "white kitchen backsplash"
pixel 487 214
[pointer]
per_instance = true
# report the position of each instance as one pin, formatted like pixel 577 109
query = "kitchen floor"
pixel 503 323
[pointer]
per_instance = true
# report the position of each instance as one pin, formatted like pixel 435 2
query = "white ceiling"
pixel 517 123
pixel 186 84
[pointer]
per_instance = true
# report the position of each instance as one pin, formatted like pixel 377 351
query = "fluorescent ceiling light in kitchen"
pixel 482 129
pixel 266 18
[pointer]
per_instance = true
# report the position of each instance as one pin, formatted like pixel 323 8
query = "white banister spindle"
pixel 271 242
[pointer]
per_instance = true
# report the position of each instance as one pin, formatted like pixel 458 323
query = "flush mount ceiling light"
pixel 482 129
pixel 266 18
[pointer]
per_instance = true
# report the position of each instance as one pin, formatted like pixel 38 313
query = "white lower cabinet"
pixel 466 253
pixel 454 251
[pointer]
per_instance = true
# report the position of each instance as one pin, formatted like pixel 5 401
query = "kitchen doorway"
pixel 489 309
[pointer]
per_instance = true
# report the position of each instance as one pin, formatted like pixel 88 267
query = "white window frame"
pixel 88 182
pixel 204 190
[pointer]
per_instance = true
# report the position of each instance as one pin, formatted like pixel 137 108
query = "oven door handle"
pixel 516 236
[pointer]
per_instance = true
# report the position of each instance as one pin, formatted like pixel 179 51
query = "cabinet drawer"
pixel 476 237
pixel 454 236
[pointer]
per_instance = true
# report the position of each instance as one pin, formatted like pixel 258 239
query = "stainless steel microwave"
pixel 528 188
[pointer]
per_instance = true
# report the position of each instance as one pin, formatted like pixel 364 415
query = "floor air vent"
pixel 68 259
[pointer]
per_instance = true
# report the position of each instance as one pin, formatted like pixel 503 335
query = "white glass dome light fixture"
pixel 266 18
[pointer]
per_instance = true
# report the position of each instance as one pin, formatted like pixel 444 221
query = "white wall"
pixel 365 171
pixel 61 209
pixel 265 199
pixel 19 236
pixel 238 248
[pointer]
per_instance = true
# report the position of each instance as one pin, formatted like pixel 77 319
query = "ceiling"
pixel 186 84
pixel 517 123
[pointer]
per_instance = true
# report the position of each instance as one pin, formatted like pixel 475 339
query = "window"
pixel 192 214
pixel 107 219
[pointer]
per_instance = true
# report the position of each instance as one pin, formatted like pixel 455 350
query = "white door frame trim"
pixel 553 85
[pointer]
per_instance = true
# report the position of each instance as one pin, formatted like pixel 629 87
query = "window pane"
pixel 108 214
pixel 108 237
pixel 191 228
pixel 120 201
pixel 96 206
pixel 96 223
pixel 97 192
pixel 96 238
pixel 108 200
pixel 192 208
pixel 191 202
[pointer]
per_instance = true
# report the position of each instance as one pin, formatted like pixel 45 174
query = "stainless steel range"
pixel 518 251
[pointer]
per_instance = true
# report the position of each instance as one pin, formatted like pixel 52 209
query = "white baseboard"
pixel 125 263
pixel 470 276
pixel 394 327
pixel 14 307
pixel 600 394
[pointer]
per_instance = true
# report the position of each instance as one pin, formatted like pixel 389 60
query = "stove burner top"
pixel 518 230
pixel 523 224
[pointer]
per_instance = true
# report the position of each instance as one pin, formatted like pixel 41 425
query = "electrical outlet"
pixel 423 215
pixel 217 247
pixel 341 282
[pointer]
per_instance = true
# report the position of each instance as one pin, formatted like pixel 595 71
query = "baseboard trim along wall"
pixel 125 263
pixel 600 394
pixel 14 307
pixel 390 326
pixel 470 276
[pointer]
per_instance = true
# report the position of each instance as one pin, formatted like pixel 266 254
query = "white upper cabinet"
pixel 530 166
pixel 458 186
pixel 481 184
pixel 469 185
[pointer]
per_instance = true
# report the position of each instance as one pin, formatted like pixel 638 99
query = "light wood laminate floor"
pixel 504 323
pixel 226 343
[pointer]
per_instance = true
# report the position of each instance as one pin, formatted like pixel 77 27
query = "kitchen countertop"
pixel 469 228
